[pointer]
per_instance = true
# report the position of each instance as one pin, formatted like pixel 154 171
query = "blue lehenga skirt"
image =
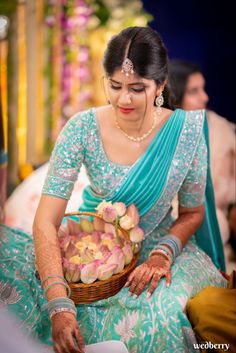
pixel 155 325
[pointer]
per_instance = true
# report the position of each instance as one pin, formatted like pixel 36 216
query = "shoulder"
pixel 218 127
pixel 77 126
pixel 83 117
pixel 89 116
pixel 219 121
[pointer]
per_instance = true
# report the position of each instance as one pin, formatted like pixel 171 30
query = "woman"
pixel 188 92
pixel 135 151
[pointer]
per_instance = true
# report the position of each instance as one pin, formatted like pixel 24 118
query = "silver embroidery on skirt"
pixel 8 294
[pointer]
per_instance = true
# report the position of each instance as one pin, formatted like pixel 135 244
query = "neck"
pixel 140 134
pixel 136 127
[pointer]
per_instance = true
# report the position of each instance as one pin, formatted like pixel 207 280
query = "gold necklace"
pixel 144 136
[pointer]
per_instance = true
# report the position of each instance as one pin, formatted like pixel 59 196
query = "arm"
pixel 48 261
pixel 187 223
pixel 48 258
pixel 65 163
pixel 191 212
pixel 191 197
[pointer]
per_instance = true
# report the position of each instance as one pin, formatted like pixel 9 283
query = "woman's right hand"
pixel 66 334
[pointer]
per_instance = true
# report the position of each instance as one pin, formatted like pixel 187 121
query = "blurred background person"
pixel 187 84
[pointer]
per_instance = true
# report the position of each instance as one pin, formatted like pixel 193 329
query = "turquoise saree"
pixel 174 164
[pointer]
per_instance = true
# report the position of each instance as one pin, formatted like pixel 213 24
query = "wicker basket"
pixel 82 293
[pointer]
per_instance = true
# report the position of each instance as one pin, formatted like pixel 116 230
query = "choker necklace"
pixel 140 138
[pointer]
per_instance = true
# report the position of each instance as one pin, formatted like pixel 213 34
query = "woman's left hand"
pixel 152 270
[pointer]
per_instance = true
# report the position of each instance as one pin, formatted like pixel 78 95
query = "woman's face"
pixel 131 96
pixel 195 96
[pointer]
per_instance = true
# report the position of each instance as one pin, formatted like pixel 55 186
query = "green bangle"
pixel 52 276
pixel 60 302
pixel 58 282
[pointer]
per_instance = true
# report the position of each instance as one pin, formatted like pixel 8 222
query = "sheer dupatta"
pixel 157 176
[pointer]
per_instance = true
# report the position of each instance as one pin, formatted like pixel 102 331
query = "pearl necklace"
pixel 144 136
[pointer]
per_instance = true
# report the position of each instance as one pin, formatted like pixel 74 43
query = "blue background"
pixel 202 32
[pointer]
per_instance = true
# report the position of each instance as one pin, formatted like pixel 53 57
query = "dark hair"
pixel 144 47
pixel 179 72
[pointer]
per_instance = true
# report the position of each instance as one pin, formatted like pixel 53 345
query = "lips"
pixel 126 110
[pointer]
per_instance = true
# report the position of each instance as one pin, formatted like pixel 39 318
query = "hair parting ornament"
pixel 127 67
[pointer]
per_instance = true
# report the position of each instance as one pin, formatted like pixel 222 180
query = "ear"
pixel 160 88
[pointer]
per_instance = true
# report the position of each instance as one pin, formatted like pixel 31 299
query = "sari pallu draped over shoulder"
pixel 156 177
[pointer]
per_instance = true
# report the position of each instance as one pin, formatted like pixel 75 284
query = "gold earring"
pixel 159 101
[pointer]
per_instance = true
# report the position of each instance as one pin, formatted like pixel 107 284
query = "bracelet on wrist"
pixel 160 251
pixel 166 248
pixel 58 304
pixel 58 282
pixel 52 276
pixel 62 310
pixel 173 242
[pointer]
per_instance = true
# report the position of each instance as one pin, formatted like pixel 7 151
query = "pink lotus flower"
pixel 87 257
pixel 73 273
pixel 105 251
pixel 109 214
pixel 87 238
pixel 64 242
pixel 136 234
pixel 89 273
pixel 128 253
pixel 117 258
pixel 105 271
pixel 110 229
pixel 99 256
pixel 109 243
pixel 102 205
pixel 73 226
pixel 132 212
pixel 86 225
pixel 71 250
pixel 96 237
pixel 63 231
pixel 98 224
pixel 126 222
pixel 120 208
pixel 76 260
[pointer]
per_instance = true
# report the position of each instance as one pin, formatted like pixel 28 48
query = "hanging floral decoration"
pixel 66 27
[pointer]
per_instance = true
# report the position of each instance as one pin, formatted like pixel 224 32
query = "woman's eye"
pixel 115 87
pixel 138 90
pixel 132 89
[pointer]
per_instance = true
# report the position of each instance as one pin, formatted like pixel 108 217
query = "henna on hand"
pixel 152 270
pixel 66 334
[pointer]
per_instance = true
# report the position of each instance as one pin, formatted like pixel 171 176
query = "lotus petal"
pixel 86 225
pixel 89 273
pixel 120 208
pixel 126 222
pixel 136 234
pixel 132 212
pixel 105 271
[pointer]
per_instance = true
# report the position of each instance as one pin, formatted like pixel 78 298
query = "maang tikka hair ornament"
pixel 127 67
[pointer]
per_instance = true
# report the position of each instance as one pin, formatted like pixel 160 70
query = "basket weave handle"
pixel 78 213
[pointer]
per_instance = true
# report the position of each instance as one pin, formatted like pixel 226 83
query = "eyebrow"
pixel 129 84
